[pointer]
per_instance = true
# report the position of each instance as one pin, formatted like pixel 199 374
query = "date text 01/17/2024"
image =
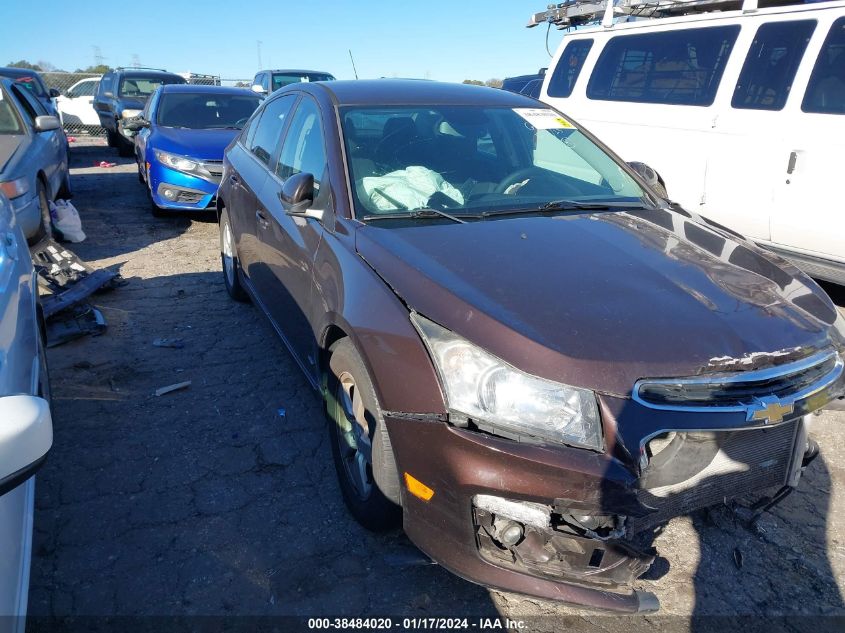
pixel 416 623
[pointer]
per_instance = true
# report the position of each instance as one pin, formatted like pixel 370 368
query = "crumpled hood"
pixel 9 145
pixel 202 144
pixel 601 300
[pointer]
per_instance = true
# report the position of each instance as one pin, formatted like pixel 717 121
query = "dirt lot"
pixel 208 501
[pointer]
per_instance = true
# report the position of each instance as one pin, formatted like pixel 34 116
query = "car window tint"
pixel 771 64
pixel 568 68
pixel 107 83
pixel 144 86
pixel 10 121
pixel 269 129
pixel 280 80
pixel 304 149
pixel 682 67
pixel 826 88
pixel 27 106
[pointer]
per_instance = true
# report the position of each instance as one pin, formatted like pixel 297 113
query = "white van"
pixel 742 113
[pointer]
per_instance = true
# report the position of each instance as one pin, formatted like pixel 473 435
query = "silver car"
pixel 33 158
pixel 26 427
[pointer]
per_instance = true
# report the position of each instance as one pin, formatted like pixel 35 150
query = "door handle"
pixel 263 222
pixel 793 159
pixel 235 180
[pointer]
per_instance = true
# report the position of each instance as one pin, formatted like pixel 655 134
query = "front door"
pixel 289 244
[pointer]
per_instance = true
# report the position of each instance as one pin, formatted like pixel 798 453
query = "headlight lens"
pixel 130 114
pixel 174 161
pixel 492 392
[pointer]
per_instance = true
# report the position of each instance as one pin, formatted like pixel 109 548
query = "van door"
pixel 809 214
pixel 744 155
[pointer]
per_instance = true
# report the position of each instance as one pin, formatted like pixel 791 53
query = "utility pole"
pixel 136 61
pixel 98 56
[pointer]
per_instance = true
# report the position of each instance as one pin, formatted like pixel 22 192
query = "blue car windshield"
pixel 205 111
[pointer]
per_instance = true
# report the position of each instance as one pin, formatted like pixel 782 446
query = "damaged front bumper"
pixel 573 525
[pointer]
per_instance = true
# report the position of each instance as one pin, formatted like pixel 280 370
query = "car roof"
pixel 413 92
pixel 20 72
pixel 201 88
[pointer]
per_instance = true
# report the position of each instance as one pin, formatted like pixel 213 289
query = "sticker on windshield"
pixel 543 119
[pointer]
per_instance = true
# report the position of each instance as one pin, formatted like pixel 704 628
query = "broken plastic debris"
pixel 179 385
pixel 78 321
pixel 104 164
pixel 175 343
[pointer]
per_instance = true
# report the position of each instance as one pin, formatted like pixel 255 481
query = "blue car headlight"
pixel 185 165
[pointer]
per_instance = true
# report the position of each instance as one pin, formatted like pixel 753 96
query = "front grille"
pixel 694 470
pixel 735 390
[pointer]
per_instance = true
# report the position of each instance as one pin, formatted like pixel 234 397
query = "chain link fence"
pixel 76 100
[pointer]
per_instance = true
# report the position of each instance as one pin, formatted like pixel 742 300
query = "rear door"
pixel 251 160
pixel 809 212
pixel 289 244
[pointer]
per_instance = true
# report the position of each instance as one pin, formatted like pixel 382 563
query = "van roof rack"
pixel 579 12
pixel 161 70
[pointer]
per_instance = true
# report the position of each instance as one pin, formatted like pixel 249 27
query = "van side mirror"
pixel 257 88
pixel 26 436
pixel 651 177
pixel 46 123
pixel 54 93
pixel 297 196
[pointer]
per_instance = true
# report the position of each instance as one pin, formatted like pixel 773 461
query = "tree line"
pixel 47 67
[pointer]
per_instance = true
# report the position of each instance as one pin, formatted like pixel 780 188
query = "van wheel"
pixel 363 457
pixel 229 259
pixel 124 149
pixel 111 138
pixel 45 228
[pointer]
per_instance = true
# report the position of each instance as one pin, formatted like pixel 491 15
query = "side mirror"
pixel 54 93
pixel 257 88
pixel 651 177
pixel 26 436
pixel 297 196
pixel 47 123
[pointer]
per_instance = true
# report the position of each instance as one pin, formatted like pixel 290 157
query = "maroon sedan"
pixel 527 356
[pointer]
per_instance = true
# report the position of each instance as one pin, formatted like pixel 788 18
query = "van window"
pixel 769 69
pixel 682 67
pixel 826 89
pixel 107 84
pixel 568 68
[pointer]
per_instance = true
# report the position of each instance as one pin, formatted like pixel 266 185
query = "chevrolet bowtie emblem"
pixel 768 410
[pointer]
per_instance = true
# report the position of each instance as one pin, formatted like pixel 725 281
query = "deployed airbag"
pixel 408 188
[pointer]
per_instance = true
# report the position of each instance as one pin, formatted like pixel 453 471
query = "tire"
pixel 140 172
pixel 124 149
pixel 46 227
pixel 229 260
pixel 111 138
pixel 367 485
pixel 156 210
pixel 65 191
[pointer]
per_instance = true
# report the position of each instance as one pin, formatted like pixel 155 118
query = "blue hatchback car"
pixel 181 135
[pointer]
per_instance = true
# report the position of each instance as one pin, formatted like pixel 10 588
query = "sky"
pixel 434 39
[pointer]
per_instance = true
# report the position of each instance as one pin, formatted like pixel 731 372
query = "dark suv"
pixel 121 95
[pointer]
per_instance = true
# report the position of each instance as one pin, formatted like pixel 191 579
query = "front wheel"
pixel 111 138
pixel 363 457
pixel 229 259
pixel 45 228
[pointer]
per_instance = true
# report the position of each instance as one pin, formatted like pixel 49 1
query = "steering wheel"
pixel 535 173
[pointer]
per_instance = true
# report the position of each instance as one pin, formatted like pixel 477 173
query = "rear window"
pixel 826 89
pixel 682 67
pixel 145 86
pixel 281 80
pixel 769 69
pixel 568 68
pixel 31 83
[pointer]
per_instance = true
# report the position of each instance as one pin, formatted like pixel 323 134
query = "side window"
pixel 769 69
pixel 826 88
pixel 26 105
pixel 681 67
pixel 265 81
pixel 107 83
pixel 264 140
pixel 86 89
pixel 568 68
pixel 304 149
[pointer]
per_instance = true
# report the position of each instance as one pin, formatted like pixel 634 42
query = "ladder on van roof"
pixel 579 12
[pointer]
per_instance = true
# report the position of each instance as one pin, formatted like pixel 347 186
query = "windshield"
pixel 471 160
pixel 280 80
pixel 10 122
pixel 144 86
pixel 206 111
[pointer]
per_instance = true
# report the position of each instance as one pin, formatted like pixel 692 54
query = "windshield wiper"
pixel 566 205
pixel 416 214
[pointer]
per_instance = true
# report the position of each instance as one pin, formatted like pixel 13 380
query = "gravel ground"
pixel 207 501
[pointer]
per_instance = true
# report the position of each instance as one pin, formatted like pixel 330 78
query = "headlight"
pixel 174 161
pixel 495 394
pixel 130 114
pixel 14 188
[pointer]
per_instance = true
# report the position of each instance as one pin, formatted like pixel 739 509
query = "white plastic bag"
pixel 66 220
pixel 409 188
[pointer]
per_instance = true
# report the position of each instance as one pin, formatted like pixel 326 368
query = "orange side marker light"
pixel 418 488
